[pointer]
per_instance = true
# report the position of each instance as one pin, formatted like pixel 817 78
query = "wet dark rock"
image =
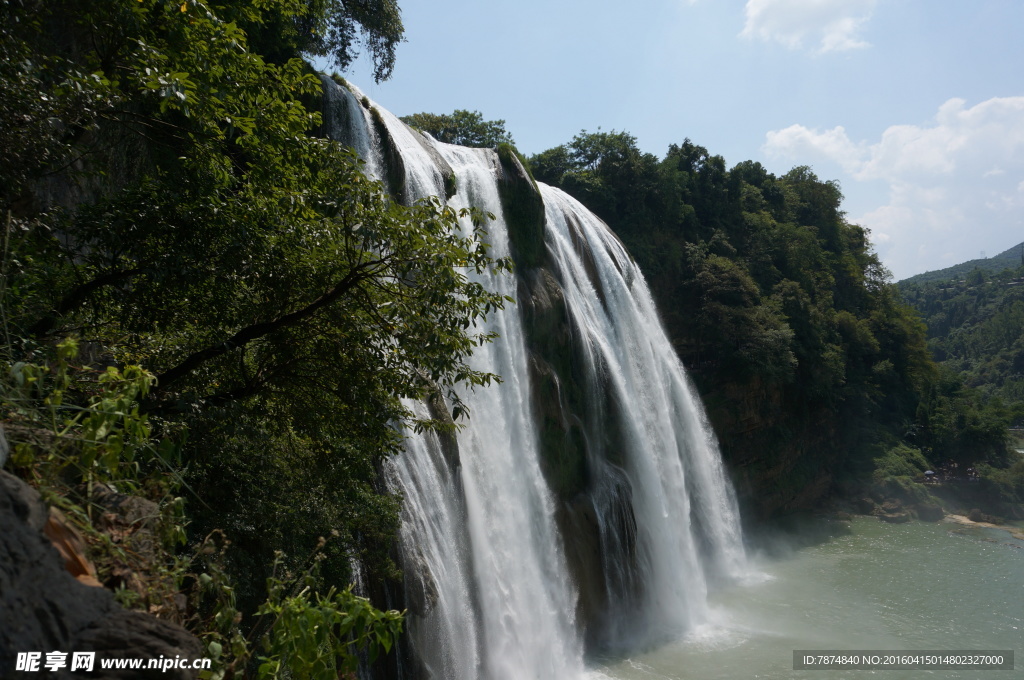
pixel 127 634
pixel 930 512
pixel 43 608
pixel 523 208
pixel 420 587
pixel 892 506
pixel 864 506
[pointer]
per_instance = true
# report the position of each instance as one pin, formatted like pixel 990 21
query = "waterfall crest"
pixel 584 506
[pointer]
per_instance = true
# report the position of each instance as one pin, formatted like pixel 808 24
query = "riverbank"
pixel 1016 532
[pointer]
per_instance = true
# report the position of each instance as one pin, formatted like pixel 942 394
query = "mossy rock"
pixel 451 185
pixel 579 422
pixel 902 488
pixel 446 436
pixel 579 526
pixel 562 443
pixel 864 506
pixel 892 505
pixel 563 449
pixel 394 166
pixel 930 512
pixel 448 179
pixel 523 208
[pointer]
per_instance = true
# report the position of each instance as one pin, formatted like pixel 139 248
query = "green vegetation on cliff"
pixel 1011 258
pixel 165 204
pixel 975 323
pixel 814 372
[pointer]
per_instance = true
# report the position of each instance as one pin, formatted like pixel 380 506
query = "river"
pixel 854 585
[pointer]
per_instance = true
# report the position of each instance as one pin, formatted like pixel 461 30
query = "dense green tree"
pixel 175 212
pixel 595 166
pixel 465 128
pixel 335 29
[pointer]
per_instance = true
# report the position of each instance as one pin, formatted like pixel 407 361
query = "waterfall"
pixel 584 505
pixel 344 119
pixel 685 515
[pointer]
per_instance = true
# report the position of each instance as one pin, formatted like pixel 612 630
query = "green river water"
pixel 861 585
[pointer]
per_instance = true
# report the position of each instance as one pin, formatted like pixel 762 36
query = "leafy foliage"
pixel 337 25
pixel 77 432
pixel 183 218
pixel 300 632
pixel 71 421
pixel 318 636
pixel 466 128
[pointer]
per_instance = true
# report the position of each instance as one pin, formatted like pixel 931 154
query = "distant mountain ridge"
pixel 1008 258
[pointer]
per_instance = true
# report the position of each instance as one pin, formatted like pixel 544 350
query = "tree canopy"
pixel 465 128
pixel 333 28
pixel 167 206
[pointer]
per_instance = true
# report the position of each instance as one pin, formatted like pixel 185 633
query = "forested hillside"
pixel 815 373
pixel 976 329
pixel 1010 258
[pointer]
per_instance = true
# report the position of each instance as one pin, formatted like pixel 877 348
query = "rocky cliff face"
pixel 566 407
pixel 778 463
pixel 43 608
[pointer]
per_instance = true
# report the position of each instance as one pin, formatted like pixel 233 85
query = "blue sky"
pixel 915 106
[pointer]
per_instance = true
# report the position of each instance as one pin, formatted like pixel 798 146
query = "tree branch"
pixel 76 297
pixel 256 331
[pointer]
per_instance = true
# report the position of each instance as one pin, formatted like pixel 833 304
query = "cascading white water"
pixel 685 513
pixel 346 121
pixel 489 582
pixel 522 621
pixel 436 556
pixel 526 601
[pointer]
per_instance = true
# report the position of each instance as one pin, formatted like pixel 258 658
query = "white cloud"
pixel 797 141
pixel 955 185
pixel 834 25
